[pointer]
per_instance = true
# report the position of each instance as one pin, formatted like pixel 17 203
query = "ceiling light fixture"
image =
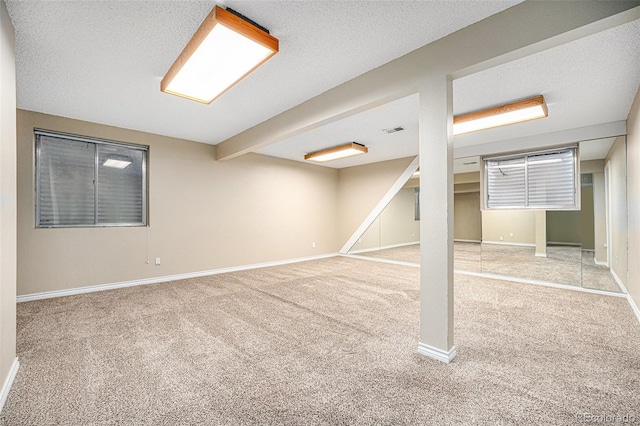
pixel 516 112
pixel 115 163
pixel 342 151
pixel 224 50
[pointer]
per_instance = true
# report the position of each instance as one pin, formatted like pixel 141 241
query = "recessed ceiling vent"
pixel 393 129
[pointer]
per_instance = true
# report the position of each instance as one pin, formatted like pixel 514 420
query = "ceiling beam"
pixel 519 31
pixel 561 137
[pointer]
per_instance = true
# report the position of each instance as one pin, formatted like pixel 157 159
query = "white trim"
pixel 412 243
pixel 382 260
pixel 598 131
pixel 506 243
pixel 166 278
pixel 6 387
pixel 597 262
pixel 634 307
pixel 541 283
pixel 457 240
pixel 397 186
pixel 541 254
pixel 563 243
pixel 437 354
pixel 618 281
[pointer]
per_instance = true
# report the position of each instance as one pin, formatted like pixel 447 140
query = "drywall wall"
pixel 564 227
pixel 469 177
pixel 203 214
pixel 8 204
pixel 467 219
pixel 501 223
pixel 397 221
pixel 599 219
pixel 360 189
pixel 633 180
pixel 587 226
pixel 395 226
pixel 617 160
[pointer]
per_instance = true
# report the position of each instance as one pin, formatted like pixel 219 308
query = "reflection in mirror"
pixel 584 247
pixel 395 233
pixel 604 220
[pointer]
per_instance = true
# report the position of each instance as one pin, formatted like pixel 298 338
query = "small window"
pixel 538 180
pixel 84 182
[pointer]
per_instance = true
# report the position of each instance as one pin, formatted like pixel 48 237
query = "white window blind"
pixel 74 187
pixel 537 180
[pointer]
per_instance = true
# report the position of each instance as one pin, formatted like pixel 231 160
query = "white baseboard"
pixel 563 243
pixel 6 386
pixel 382 260
pixel 457 240
pixel 438 354
pixel 383 247
pixel 597 262
pixel 634 307
pixel 541 254
pixel 618 281
pixel 156 280
pixel 541 283
pixel 506 243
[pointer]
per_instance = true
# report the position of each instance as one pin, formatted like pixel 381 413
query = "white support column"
pixel 436 219
pixel 541 233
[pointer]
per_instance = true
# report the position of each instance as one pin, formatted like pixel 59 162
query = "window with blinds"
pixel 537 180
pixel 82 182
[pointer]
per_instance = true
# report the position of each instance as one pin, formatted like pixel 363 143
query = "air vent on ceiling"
pixel 393 129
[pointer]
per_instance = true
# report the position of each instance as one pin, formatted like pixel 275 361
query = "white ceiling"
pixel 586 82
pixel 102 61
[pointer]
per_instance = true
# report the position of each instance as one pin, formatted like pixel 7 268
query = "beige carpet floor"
pixel 325 342
pixel 563 265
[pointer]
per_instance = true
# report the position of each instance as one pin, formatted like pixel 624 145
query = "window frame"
pixel 95 141
pixel 526 154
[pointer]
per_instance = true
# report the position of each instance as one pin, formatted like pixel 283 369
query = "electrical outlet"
pixel 157 261
pixel 511 234
pixel 501 238
pixel 313 245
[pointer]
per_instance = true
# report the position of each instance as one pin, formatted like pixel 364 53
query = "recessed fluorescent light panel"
pixel 225 49
pixel 337 152
pixel 115 163
pixel 516 112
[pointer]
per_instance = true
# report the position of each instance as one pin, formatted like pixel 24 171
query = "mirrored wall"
pixel 585 247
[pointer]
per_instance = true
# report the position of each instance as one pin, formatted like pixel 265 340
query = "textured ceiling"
pixel 102 61
pixel 590 81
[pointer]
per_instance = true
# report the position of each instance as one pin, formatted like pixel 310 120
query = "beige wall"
pixel 587 226
pixel 496 223
pixel 8 204
pixel 361 188
pixel 396 224
pixel 617 159
pixel 397 220
pixel 599 218
pixel 470 177
pixel 204 214
pixel 633 180
pixel 467 222
pixel 564 227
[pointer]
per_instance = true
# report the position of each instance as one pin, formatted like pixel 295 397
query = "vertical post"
pixel 436 218
pixel 541 233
